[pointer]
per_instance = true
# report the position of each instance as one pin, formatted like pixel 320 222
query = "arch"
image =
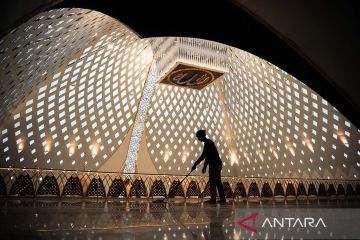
pixel 279 190
pixel 158 189
pixel 266 191
pixel 23 186
pixel 322 191
pixel 73 187
pixel 340 190
pixel 331 192
pixel 290 190
pixel 178 192
pixel 301 190
pixel 240 190
pixel 96 188
pixel 350 190
pixel 312 192
pixel 227 189
pixel 117 188
pixel 48 187
pixel 193 189
pixel 138 189
pixel 253 190
pixel 206 192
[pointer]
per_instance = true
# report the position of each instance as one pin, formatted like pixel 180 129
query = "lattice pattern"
pixel 72 79
pixel 43 44
pixel 240 190
pixel 117 188
pixel 48 187
pixel 301 190
pixel 266 191
pixel 158 188
pixel 22 186
pixel 261 98
pixel 322 190
pixel 73 187
pixel 174 117
pixel 227 190
pixel 206 192
pixel 69 183
pixel 331 190
pixel 193 189
pixel 138 189
pixel 176 189
pixel 253 190
pixel 82 111
pixel 279 190
pixel 253 105
pixel 96 188
pixel 290 190
pixel 312 190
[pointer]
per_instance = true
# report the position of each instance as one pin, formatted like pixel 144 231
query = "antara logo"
pixel 251 217
pixel 287 222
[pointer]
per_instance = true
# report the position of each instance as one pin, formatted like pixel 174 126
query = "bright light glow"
pixel 184 155
pixel 47 148
pixel 110 46
pixel 234 159
pixel 343 138
pixel 309 144
pixel 72 149
pixel 166 156
pixel 291 150
pixel 20 145
pixel 94 150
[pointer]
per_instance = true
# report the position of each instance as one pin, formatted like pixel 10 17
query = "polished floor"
pixel 133 218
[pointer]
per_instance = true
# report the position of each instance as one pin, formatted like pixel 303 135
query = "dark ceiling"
pixel 226 22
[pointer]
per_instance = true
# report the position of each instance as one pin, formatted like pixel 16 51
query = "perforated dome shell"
pixel 79 89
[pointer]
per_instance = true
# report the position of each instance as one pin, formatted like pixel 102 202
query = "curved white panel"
pixel 83 110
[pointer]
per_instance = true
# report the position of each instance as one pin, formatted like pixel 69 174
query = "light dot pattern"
pixel 81 114
pixel 283 128
pixel 278 126
pixel 32 52
pixel 71 84
pixel 174 117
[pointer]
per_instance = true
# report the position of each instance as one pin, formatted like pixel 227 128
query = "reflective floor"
pixel 133 218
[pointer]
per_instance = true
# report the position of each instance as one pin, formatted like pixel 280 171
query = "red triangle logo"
pixel 251 217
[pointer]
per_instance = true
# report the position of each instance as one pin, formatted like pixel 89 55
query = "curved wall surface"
pixel 71 80
pixel 72 83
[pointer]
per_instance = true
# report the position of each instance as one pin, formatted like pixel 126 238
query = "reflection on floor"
pixel 131 219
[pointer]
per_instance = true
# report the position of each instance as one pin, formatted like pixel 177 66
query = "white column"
pixel 138 129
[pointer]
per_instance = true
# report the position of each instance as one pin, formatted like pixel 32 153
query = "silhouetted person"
pixel 212 158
